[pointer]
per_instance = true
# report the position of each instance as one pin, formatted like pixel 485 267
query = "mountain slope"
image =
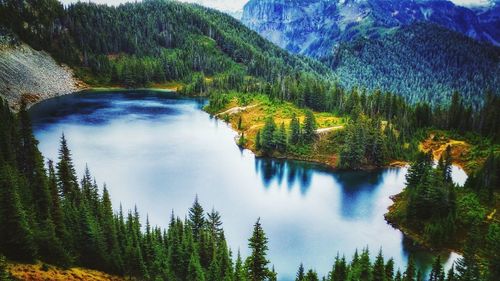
pixel 423 62
pixel 313 27
pixel 153 41
pixel 31 74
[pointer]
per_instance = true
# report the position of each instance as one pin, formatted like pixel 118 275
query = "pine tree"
pixel 280 138
pixel 378 273
pixel 239 271
pixel 195 272
pixel 267 136
pixel 493 246
pixel 451 276
pixel 300 273
pixel 258 141
pixel 294 130
pixel 311 276
pixel 309 130
pixel 468 266
pixel 398 276
pixel 16 237
pixel 389 270
pixel 257 262
pixel 340 270
pixel 56 208
pixel 273 276
pixel 113 257
pixel 66 175
pixel 214 223
pixel 437 273
pixel 410 273
pixel 196 218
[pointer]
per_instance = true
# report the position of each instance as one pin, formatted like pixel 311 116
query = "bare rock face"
pixel 30 75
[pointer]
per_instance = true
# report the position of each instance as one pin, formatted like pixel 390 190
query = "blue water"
pixel 158 151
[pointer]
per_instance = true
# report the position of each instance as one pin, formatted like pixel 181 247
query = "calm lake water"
pixel 158 152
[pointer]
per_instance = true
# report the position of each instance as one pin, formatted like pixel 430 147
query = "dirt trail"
pixel 328 129
pixel 236 109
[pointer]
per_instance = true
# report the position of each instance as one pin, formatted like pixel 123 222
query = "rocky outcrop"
pixel 31 75
pixel 314 27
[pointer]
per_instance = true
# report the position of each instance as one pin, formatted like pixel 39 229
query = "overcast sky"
pixel 235 5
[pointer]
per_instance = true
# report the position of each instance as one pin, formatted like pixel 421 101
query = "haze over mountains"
pixel 314 27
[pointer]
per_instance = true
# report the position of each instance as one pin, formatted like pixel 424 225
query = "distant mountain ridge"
pixel 314 27
pixel 422 62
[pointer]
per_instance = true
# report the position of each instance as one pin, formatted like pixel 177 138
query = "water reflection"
pixel 277 170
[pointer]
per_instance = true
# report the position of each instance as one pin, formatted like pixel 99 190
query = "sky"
pixel 236 5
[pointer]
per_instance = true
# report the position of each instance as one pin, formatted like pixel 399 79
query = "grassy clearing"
pixel 468 151
pixel 253 111
pixel 41 271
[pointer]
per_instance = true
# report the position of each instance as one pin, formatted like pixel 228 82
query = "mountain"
pixel 313 27
pixel 153 41
pixel 423 62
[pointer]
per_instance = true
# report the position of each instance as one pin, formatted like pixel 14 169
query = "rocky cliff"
pixel 31 75
pixel 314 27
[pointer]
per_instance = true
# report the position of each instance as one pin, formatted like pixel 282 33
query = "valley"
pixel 359 138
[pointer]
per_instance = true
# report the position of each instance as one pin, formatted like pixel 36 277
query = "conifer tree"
pixel 257 262
pixel 437 273
pixel 295 130
pixel 340 269
pixel 195 272
pixel 378 273
pixel 56 208
pixel 398 276
pixel 267 135
pixel 451 276
pixel 66 175
pixel 311 276
pixel 389 270
pixel 280 138
pixel 300 273
pixel 309 130
pixel 493 246
pixel 239 270
pixel 467 266
pixel 16 237
pixel 196 218
pixel 258 141
pixel 410 273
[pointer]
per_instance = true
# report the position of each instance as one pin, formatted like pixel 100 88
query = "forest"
pixel 380 127
pixel 48 214
pixel 422 62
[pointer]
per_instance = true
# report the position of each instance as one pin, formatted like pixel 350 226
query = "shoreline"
pixel 414 236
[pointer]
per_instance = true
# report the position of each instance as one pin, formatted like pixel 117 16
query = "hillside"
pixel 151 42
pixel 31 75
pixel 422 62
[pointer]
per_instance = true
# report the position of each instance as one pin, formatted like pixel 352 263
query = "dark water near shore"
pixel 158 151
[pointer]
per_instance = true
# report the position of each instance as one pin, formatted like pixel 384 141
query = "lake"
pixel 158 151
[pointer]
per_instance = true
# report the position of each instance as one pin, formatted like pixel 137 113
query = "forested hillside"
pixel 153 41
pixel 422 62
